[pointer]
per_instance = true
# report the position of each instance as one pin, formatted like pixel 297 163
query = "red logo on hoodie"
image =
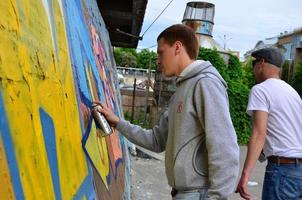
pixel 179 107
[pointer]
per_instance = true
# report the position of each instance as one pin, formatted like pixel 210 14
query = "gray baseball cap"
pixel 270 55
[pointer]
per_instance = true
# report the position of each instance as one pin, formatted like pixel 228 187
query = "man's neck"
pixel 275 76
pixel 183 65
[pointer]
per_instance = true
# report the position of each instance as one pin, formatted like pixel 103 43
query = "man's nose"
pixel 158 61
pixel 159 66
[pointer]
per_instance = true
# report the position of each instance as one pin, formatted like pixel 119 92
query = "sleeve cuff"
pixel 121 125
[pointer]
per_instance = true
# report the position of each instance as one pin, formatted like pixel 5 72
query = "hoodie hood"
pixel 201 67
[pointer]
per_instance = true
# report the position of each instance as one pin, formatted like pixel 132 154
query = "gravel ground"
pixel 149 181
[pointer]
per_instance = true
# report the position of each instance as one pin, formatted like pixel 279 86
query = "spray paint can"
pixel 100 121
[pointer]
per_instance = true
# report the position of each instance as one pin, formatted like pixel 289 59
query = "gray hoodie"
pixel 197 134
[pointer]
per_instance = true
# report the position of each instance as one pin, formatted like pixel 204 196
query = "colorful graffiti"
pixel 55 60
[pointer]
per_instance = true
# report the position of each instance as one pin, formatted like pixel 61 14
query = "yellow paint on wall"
pixel 100 157
pixel 11 21
pixel 6 187
pixel 71 158
pixel 32 77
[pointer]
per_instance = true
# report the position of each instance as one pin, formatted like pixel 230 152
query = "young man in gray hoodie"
pixel 202 154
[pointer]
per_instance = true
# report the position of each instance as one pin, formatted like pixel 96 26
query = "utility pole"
pixel 225 40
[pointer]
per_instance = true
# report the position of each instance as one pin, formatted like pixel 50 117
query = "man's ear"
pixel 262 62
pixel 178 47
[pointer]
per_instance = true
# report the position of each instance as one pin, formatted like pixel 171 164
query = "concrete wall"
pixel 55 59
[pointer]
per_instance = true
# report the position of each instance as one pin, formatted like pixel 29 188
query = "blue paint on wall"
pixel 82 58
pixel 92 196
pixel 85 190
pixel 80 47
pixel 51 149
pixel 10 152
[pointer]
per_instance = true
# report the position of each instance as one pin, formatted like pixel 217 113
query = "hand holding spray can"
pixel 100 121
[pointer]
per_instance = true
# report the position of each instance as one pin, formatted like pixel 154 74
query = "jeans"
pixel 282 182
pixel 186 195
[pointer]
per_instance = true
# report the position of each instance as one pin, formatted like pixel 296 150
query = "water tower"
pixel 200 17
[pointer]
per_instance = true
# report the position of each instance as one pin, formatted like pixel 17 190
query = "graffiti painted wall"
pixel 55 60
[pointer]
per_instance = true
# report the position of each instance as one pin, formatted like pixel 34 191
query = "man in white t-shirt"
pixel 276 110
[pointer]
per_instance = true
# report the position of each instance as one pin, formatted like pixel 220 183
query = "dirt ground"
pixel 149 181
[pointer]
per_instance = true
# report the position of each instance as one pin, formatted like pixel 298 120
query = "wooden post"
pixel 147 89
pixel 133 100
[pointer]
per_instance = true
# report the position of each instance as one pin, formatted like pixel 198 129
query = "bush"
pixel 297 80
pixel 248 78
pixel 238 96
pixel 138 120
pixel 238 99
pixel 285 71
pixel 234 68
pixel 238 90
pixel 215 59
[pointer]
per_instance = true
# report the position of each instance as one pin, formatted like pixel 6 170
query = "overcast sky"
pixel 244 22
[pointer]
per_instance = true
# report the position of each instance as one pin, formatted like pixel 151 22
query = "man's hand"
pixel 242 187
pixel 112 119
pixel 255 147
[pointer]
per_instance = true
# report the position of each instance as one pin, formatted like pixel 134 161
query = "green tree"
pixel 128 60
pixel 132 58
pixel 125 57
pixel 144 57
pixel 117 55
pixel 129 50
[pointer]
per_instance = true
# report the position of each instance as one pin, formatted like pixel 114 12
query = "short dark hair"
pixel 185 35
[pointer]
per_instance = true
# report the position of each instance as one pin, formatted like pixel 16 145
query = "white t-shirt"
pixel 284 108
